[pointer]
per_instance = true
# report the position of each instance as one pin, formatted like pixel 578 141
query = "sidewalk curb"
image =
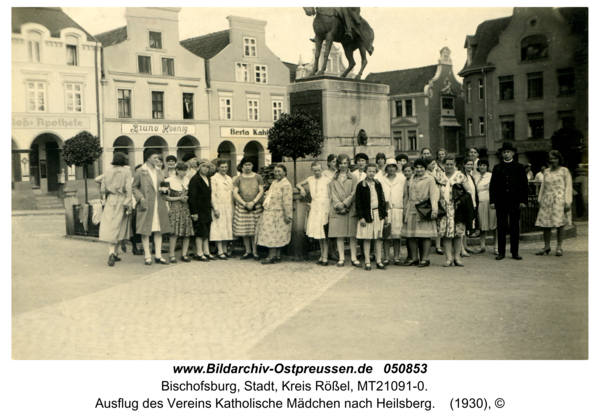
pixel 22 213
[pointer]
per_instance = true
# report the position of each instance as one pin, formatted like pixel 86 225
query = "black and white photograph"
pixel 260 184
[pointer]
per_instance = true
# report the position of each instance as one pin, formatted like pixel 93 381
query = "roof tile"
pixel 52 18
pixel 207 46
pixel 412 80
pixel 113 37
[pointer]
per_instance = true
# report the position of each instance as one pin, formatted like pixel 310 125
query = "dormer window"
pixel 156 40
pixel 534 47
pixel 34 40
pixel 71 50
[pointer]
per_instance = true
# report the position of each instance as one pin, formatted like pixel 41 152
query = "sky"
pixel 404 37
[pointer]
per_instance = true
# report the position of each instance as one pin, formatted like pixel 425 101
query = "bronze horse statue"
pixel 330 27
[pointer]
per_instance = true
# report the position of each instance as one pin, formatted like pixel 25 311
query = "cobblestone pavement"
pixel 71 305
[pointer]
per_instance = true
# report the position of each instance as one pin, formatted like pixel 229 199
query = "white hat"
pixel 388 162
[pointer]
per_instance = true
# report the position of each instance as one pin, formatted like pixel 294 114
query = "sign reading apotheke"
pixel 157 129
pixel 75 122
pixel 244 132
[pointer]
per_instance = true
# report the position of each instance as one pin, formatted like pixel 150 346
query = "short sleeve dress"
pixel 272 230
pixel 318 216
pixel 244 221
pixel 179 214
pixel 557 188
pixel 447 227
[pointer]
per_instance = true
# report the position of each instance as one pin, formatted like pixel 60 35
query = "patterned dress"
pixel 557 188
pixel 446 225
pixel 179 215
pixel 272 230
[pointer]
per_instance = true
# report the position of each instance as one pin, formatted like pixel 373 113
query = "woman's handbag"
pixel 387 230
pixel 424 209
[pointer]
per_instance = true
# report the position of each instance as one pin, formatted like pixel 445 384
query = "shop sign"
pixel 157 129
pixel 244 132
pixel 47 122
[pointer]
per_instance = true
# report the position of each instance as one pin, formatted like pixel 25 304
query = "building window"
pixel 469 127
pixel 168 67
pixel 566 119
pixel 158 105
pixel 253 110
pixel 124 98
pixel 277 109
pixel 408 107
pixel 36 97
pixel 412 140
pixel 144 65
pixel 250 47
pixel 156 40
pixel 507 88
pixel 566 82
pixel 241 72
pixel 71 54
pixel 536 125
pixel 225 108
pixel 448 103
pixel 188 106
pixel 535 85
pixel 534 48
pixel 260 73
pixel 481 126
pixel 480 89
pixel 74 99
pixel 469 92
pixel 398 140
pixel 399 108
pixel 33 46
pixel 508 127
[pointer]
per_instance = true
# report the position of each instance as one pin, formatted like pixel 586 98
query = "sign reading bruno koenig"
pixel 244 132
pixel 157 129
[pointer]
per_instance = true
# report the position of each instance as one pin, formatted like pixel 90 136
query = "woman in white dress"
pixel 487 216
pixel 222 199
pixel 393 190
pixel 318 216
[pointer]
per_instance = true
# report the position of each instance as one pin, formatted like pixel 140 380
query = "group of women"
pixel 192 203
pixel 376 203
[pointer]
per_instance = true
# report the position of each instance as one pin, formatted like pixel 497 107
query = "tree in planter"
pixel 81 150
pixel 569 142
pixel 296 136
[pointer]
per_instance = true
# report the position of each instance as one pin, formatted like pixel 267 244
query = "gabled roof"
pixel 207 46
pixel 292 68
pixel 113 37
pixel 412 80
pixel 52 18
pixel 486 38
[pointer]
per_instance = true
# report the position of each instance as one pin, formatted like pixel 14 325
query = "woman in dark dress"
pixel 199 193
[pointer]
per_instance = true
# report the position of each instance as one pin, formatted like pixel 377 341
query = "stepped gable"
pixel 52 18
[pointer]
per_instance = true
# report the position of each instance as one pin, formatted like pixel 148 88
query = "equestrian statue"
pixel 346 26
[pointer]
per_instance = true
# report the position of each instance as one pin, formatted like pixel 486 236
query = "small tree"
pixel 81 150
pixel 569 141
pixel 296 136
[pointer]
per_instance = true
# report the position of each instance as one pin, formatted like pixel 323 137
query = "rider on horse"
pixel 351 18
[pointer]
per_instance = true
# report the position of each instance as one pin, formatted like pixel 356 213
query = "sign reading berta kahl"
pixel 244 132
pixel 157 129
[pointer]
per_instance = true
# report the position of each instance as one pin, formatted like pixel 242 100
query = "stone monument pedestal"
pixel 344 109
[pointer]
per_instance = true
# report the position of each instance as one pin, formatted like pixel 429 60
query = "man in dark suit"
pixel 508 194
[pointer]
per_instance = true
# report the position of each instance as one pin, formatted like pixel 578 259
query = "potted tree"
pixel 295 135
pixel 82 150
